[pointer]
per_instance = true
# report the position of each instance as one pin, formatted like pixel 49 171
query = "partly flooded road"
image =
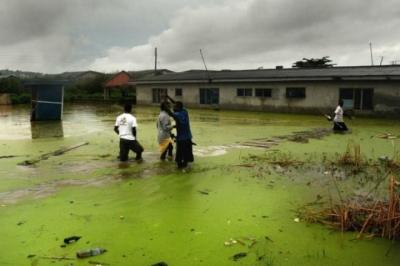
pixel 237 204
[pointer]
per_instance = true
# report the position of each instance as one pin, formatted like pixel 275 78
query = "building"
pixel 368 90
pixel 118 81
pixel 80 75
pixel 47 100
pixel 125 82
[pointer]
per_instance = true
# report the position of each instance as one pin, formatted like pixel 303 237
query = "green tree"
pixel 11 85
pixel 322 62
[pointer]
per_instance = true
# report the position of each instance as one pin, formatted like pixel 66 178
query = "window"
pixel 157 95
pixel 244 92
pixel 295 92
pixel 209 96
pixel 357 99
pixel 178 92
pixel 263 92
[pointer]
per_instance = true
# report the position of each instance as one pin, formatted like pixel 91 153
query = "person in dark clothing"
pixel 125 127
pixel 184 144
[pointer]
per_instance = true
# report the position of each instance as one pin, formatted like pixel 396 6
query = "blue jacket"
pixel 182 125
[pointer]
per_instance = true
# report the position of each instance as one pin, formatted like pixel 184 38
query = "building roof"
pixel 46 83
pixel 77 74
pixel 8 77
pixel 390 72
pixel 120 79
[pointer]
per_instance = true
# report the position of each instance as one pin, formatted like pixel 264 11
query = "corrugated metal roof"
pixel 291 74
pixel 46 82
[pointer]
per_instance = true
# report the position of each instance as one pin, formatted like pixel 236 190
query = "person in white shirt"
pixel 338 123
pixel 125 127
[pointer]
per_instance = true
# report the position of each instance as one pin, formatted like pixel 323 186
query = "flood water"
pixel 232 206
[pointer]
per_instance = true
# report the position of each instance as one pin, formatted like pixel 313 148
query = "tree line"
pixel 90 88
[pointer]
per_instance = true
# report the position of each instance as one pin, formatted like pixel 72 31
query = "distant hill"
pixel 21 74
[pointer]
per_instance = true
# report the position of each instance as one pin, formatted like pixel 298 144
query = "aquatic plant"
pixel 352 156
pixel 381 218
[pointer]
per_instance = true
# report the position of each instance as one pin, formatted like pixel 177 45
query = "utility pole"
pixel 155 61
pixel 370 48
pixel 381 59
pixel 208 74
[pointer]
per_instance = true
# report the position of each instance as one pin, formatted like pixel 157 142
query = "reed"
pixel 381 218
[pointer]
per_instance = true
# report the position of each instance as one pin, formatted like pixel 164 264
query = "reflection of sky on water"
pixel 77 120
pixel 81 120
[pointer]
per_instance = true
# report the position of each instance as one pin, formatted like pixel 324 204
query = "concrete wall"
pixel 321 97
pixel 5 99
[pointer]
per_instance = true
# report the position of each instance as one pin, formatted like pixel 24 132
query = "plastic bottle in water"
pixel 90 252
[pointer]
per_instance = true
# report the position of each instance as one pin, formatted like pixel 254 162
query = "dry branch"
pixel 50 154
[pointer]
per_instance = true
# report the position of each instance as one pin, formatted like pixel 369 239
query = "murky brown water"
pixel 148 212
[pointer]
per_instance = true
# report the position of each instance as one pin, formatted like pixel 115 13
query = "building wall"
pixel 5 99
pixel 321 96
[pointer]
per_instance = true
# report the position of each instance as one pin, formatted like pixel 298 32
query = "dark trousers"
pixel 184 153
pixel 169 150
pixel 126 145
pixel 339 126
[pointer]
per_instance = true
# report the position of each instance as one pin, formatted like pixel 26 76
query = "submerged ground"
pixel 234 200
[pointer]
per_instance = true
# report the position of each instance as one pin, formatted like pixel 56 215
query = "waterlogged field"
pixel 241 202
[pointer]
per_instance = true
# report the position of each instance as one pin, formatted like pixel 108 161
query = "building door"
pixel 357 99
pixel 158 95
pixel 209 96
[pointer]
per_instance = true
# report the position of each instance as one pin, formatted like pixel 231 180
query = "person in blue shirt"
pixel 184 144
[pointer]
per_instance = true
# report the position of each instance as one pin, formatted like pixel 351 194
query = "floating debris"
pixel 98 263
pixel 203 192
pixel 239 256
pixel 71 239
pixel 269 239
pixel 160 264
pixel 240 242
pixel 387 136
pixel 91 252
pixel 21 223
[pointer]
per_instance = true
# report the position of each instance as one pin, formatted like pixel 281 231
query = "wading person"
pixel 164 128
pixel 125 127
pixel 184 149
pixel 338 123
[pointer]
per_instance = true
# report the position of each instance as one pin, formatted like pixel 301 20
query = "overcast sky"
pixel 54 36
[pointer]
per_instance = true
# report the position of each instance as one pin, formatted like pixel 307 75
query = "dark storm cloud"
pixel 103 35
pixel 25 20
pixel 269 33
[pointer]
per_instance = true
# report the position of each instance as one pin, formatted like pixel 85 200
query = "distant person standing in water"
pixel 125 127
pixel 338 123
pixel 164 128
pixel 184 149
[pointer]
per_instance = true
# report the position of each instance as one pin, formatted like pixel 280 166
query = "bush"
pixel 21 98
